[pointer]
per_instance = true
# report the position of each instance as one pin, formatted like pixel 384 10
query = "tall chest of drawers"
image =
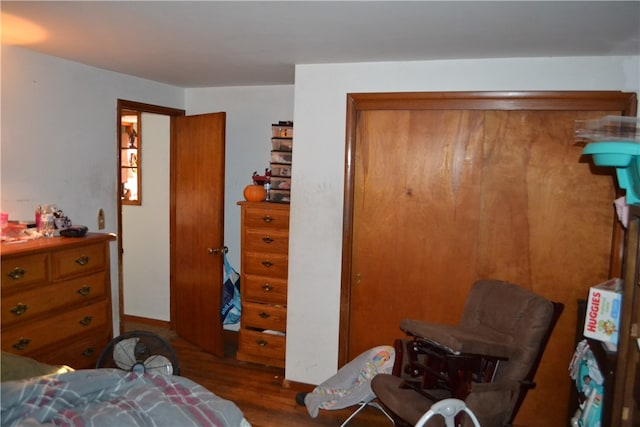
pixel 264 270
pixel 56 299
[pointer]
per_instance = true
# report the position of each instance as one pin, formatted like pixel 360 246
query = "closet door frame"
pixel 626 103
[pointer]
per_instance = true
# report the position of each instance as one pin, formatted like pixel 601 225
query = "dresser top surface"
pixel 265 204
pixel 42 244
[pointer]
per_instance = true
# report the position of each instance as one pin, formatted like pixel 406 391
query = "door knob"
pixel 216 251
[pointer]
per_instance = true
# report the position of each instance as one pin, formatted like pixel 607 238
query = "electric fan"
pixel 140 352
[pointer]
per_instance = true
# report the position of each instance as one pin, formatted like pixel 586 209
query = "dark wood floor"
pixel 257 390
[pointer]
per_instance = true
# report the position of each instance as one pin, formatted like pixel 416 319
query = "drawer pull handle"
pixel 19 309
pixel 267 218
pixel 22 344
pixel 83 260
pixel 17 273
pixel 267 287
pixel 261 343
pixel 84 291
pixel 267 263
pixel 264 315
pixel 89 352
pixel 86 321
pixel 267 240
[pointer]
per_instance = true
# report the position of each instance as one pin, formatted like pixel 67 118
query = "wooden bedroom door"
pixel 198 197
pixel 444 189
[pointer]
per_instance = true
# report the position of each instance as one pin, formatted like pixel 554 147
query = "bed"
pixel 36 394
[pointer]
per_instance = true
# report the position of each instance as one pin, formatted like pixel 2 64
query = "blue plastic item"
pixel 625 157
pixel 231 309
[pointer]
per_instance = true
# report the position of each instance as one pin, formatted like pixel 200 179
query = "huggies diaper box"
pixel 602 319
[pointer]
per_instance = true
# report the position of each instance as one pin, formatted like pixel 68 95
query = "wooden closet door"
pixel 545 223
pixel 441 196
pixel 416 204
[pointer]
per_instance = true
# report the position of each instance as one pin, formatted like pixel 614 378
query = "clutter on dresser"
pixel 74 231
pixel 48 221
pixel 19 232
pixel 256 191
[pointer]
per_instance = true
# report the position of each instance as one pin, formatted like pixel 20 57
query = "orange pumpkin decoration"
pixel 254 193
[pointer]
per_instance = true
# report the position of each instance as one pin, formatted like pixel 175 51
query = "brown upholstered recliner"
pixel 488 360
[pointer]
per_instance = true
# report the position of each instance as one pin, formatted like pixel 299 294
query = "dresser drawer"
pixel 264 316
pixel 264 289
pixel 264 240
pixel 80 260
pixel 261 345
pixel 24 270
pixel 45 332
pixel 265 216
pixel 53 298
pixel 80 353
pixel 263 264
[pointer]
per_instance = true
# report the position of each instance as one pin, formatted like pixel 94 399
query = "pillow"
pixel 16 367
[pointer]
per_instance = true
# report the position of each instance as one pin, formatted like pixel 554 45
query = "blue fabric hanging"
pixel 231 306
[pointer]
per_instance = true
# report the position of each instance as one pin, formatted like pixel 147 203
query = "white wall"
pixel 59 137
pixel 250 112
pixel 145 228
pixel 315 245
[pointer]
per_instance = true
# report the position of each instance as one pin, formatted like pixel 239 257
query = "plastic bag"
pixel 588 379
pixel 231 307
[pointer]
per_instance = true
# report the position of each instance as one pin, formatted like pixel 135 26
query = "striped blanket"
pixel 110 397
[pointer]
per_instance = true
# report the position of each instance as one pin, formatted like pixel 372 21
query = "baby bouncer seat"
pixel 351 385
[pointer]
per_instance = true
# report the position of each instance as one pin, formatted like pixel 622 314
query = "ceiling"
pixel 237 43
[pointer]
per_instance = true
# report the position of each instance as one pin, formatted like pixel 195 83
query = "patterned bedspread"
pixel 110 397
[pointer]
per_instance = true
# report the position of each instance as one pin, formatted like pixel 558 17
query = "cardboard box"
pixel 602 319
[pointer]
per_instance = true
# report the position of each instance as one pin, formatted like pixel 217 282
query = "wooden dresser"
pixel 263 283
pixel 56 299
